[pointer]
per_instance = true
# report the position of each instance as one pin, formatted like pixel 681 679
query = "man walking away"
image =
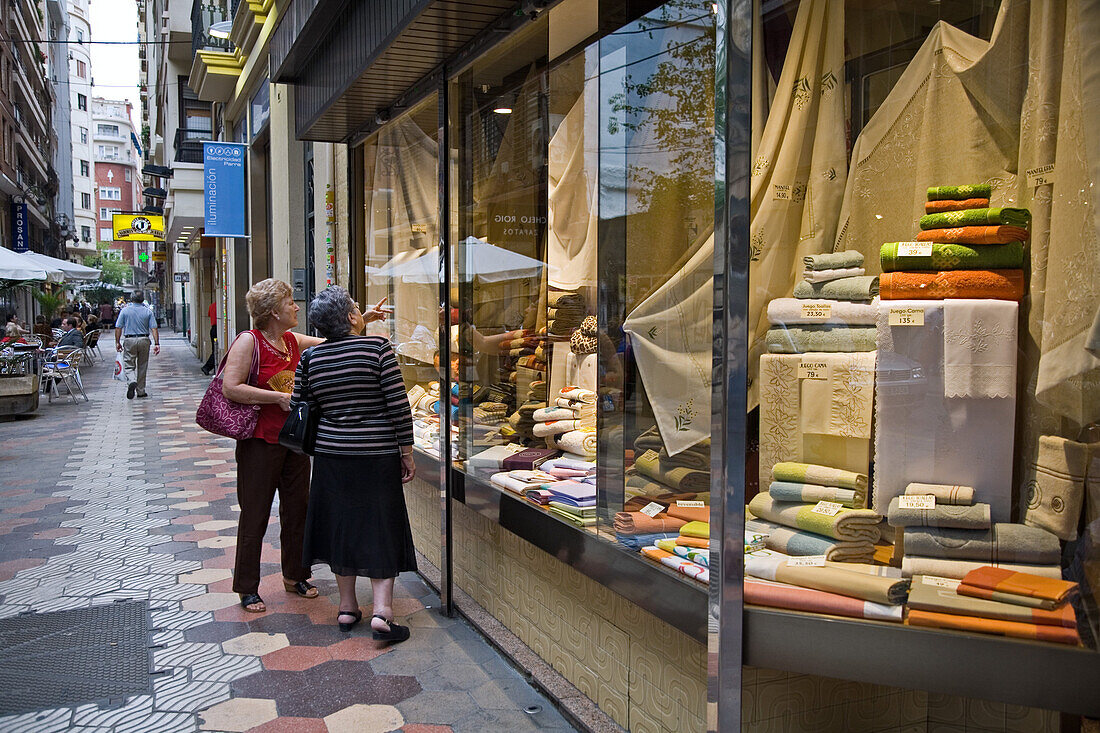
pixel 133 327
pixel 212 312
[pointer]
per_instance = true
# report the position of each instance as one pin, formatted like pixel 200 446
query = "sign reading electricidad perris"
pixel 138 228
pixel 223 183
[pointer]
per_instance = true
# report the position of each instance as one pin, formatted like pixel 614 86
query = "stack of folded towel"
pixel 570 425
pixel 427 399
pixel 832 282
pixel 796 524
pixel 490 413
pixel 971 250
pixel 565 312
pixel 518 482
pixel 686 552
pixel 998 601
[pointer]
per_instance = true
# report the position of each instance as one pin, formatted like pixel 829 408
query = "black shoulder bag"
pixel 299 432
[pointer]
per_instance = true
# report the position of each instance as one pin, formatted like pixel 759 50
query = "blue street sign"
pixel 20 228
pixel 223 184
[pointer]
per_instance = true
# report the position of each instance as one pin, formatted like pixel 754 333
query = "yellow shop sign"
pixel 138 228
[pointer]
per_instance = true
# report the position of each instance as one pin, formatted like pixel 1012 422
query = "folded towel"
pixel 945 494
pixel 699 530
pixel 697 457
pixel 823 338
pixel 689 513
pixel 848 288
pixel 809 473
pixel 678 477
pixel 999 284
pixel 677 563
pixel 813 493
pixel 638 541
pixel 581 441
pixel 1003 542
pixel 947 568
pixel 938 596
pixel 975 235
pixel 833 260
pixel 1056 486
pixel 936 207
pixel 576 519
pixel 798 542
pixel 948 256
pixel 570 491
pixel 578 394
pixel 649 440
pixel 556 427
pixel 638 523
pixel 830 579
pixel 993 626
pixel 576 406
pixel 519 484
pixel 824 276
pixel 942 515
pixel 1020 588
pixel 697 555
pixel 793 311
pixel 549 414
pixel 698 542
pixel 956 193
pixel 847 524
pixel 977 218
pixel 780 595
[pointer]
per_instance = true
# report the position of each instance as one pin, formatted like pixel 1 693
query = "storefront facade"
pixel 684 250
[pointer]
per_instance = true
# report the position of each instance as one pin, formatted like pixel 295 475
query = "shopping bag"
pixel 118 367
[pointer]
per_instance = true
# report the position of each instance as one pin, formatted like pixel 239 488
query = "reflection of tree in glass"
pixel 671 113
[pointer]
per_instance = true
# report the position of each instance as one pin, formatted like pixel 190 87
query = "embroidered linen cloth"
pixel 839 405
pixel 979 348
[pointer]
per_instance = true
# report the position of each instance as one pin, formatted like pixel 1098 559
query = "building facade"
pixel 81 159
pixel 117 178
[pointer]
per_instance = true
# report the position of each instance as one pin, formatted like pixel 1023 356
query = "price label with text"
pixel 813 370
pixel 807 561
pixel 691 504
pixel 1040 176
pixel 938 582
pixel 781 193
pixel 917 501
pixel 652 509
pixel 828 508
pixel 914 249
pixel 906 317
pixel 817 311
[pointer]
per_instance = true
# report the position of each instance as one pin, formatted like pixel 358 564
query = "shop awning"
pixel 71 270
pixel 15 266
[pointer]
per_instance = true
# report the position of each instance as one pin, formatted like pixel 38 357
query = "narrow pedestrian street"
pixel 112 500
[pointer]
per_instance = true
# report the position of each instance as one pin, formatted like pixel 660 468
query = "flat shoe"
pixel 302 588
pixel 358 615
pixel 250 600
pixel 396 633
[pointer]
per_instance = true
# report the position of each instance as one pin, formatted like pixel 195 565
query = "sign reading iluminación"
pixel 223 183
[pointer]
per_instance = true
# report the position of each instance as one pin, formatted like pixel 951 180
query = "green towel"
pixel 864 287
pixel 834 260
pixel 959 193
pixel 977 218
pixel 825 338
pixel 956 257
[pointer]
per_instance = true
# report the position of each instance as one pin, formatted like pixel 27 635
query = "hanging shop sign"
pixel 138 228
pixel 20 230
pixel 224 189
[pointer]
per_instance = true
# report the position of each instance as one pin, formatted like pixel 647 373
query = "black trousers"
pixel 209 365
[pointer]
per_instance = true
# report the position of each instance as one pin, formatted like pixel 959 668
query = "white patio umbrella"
pixel 14 266
pixel 484 262
pixel 72 271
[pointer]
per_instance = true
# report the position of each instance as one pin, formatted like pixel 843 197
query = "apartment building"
pixel 79 79
pixel 117 179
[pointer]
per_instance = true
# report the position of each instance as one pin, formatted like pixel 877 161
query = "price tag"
pixel 828 508
pixel 914 249
pixel 817 311
pixel 807 561
pixel 938 582
pixel 906 317
pixel 781 193
pixel 813 370
pixel 1040 176
pixel 917 501
pixel 652 509
pixel 691 504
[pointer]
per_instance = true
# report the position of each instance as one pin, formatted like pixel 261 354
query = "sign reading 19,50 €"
pixel 223 183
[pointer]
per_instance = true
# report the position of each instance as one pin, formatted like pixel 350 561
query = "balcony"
pixel 188 145
pixel 204 15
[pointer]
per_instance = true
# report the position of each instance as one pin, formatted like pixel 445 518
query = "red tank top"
pixel 277 374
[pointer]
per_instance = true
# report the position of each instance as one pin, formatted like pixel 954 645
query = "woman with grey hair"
pixel 357 521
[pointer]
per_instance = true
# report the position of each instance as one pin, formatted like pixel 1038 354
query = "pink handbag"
pixel 221 415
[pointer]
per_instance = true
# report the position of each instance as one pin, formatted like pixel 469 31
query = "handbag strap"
pixel 304 360
pixel 254 367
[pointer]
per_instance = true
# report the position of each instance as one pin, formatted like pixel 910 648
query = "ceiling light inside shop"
pixel 503 110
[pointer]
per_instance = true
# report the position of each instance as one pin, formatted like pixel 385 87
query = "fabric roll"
pixel 999 284
pixel 848 288
pixel 942 515
pixel 1056 486
pixel 1014 629
pixel 823 338
pixel 808 473
pixel 697 555
pixel 824 276
pixel 638 523
pixel 679 477
pixel 813 493
pixel 949 256
pixel 935 595
pixel 780 595
pixel 944 493
pixel 546 429
pixel 800 543
pixel 638 541
pixel 847 524
pixel 830 579
pixel 1021 588
pixel 1003 542
pixel 956 193
pixel 946 568
pixel 979 348
pixel 698 530
pixel 833 260
pixel 977 218
pixel 677 563
pixel 936 207
pixel 581 441
pixel 790 311
pixel 975 235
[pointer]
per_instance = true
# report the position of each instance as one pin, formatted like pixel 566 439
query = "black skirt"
pixel 357 522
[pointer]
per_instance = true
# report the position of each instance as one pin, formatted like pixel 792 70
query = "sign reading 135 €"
pixel 138 228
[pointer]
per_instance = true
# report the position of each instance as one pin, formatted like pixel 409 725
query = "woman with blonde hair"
pixel 264 466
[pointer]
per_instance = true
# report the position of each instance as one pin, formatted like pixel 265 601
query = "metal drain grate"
pixel 61 659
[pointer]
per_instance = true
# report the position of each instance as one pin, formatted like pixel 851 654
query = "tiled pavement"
pixel 115 499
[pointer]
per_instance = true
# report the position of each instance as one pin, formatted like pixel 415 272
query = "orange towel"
pixel 638 523
pixel 999 284
pixel 1009 586
pixel 690 514
pixel 1014 629
pixel 693 542
pixel 938 207
pixel 974 235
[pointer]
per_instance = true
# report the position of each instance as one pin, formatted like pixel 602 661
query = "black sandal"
pixel 396 633
pixel 250 600
pixel 357 615
pixel 302 588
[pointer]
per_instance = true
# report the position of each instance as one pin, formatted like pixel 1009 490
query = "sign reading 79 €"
pixel 223 184
pixel 138 228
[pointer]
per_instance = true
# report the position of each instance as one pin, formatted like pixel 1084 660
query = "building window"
pixel 81 69
pixel 110 254
pixel 107 235
pixel 82 102
pixel 84 135
pixel 109 130
pixel 86 232
pixel 108 151
pixel 79 35
pixel 109 193
pixel 85 169
pixel 86 200
pixel 129 175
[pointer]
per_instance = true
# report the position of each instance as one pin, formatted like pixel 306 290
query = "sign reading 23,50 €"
pixel 223 183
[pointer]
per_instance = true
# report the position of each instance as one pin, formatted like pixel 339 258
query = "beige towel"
pixel 1056 486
